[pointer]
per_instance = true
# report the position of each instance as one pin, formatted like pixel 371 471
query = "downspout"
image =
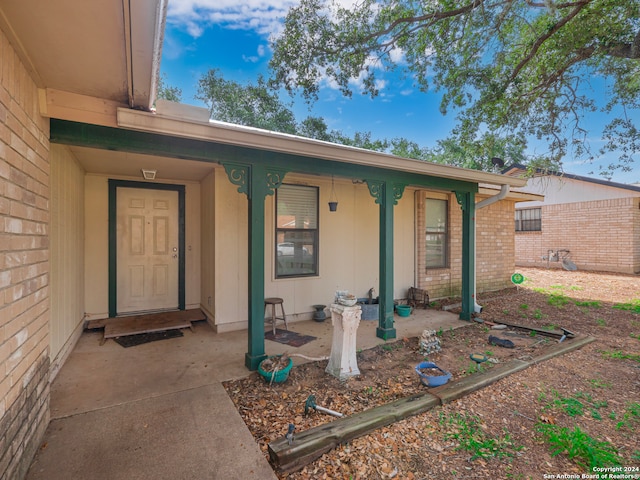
pixel 504 190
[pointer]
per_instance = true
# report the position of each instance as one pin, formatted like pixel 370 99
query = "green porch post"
pixel 256 182
pixel 387 195
pixel 467 203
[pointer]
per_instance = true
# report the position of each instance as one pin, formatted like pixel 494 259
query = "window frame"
pixel 443 234
pixel 533 224
pixel 312 238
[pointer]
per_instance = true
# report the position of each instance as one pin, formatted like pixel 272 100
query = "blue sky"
pixel 232 35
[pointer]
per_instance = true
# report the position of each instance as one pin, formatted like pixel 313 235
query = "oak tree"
pixel 525 69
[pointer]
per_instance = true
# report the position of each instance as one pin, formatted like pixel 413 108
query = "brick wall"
pixel 24 267
pixel 495 248
pixel 602 235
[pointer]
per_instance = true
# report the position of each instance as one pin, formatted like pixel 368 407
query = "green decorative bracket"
pixel 463 200
pixel 240 175
pixel 376 190
pixel 274 179
pixel 398 191
pixel 243 175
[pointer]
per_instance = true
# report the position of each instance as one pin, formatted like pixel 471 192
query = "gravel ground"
pixel 515 428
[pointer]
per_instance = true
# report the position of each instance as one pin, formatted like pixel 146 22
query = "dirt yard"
pixel 564 416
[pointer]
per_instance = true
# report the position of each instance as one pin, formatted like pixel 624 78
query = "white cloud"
pixel 194 16
pixel 254 58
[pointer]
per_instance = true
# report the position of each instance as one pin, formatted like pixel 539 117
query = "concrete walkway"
pixel 159 410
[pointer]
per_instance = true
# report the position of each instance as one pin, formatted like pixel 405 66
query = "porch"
pixel 159 410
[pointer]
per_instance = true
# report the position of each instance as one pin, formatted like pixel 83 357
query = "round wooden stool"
pixel 273 301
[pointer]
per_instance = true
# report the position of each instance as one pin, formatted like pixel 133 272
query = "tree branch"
pixel 543 38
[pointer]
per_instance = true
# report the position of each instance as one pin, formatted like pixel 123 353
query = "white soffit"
pixel 103 49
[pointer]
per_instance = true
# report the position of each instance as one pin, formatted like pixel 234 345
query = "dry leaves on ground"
pixel 499 431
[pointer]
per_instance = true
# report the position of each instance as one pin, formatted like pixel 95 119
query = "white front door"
pixel 147 250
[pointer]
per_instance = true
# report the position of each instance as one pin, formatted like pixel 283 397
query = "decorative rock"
pixel 429 342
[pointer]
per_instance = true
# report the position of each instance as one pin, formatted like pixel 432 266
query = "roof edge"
pixel 225 133
pixel 540 172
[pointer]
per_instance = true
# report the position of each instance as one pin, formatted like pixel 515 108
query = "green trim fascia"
pixel 113 254
pixel 108 138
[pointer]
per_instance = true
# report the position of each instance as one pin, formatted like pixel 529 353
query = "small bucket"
pixel 403 310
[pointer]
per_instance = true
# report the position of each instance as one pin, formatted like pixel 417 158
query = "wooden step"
pixel 154 322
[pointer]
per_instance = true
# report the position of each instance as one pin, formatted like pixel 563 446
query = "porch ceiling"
pixel 125 164
pixel 102 49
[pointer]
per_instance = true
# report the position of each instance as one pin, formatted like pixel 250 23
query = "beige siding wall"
pixel 67 253
pixel 348 253
pixel 208 240
pixel 495 248
pixel 24 266
pixel 601 235
pixel 96 245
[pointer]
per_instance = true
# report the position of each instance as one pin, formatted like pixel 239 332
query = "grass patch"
pixel 599 383
pixel 557 300
pixel 601 322
pixel 620 355
pixel 632 306
pixel 466 430
pixel 579 447
pixel 589 304
pixel 577 404
pixel 630 417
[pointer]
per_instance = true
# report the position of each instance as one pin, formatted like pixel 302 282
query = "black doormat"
pixel 292 339
pixel 141 338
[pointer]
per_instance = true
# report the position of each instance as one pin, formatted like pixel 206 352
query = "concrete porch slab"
pixel 194 433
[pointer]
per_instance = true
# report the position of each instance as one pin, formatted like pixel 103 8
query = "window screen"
pixel 296 231
pixel 436 235
pixel 529 220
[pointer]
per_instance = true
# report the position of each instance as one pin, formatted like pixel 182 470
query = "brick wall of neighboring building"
pixel 24 267
pixel 495 248
pixel 602 235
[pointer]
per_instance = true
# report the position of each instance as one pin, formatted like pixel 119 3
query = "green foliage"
pixel 467 431
pixel 167 92
pixel 630 417
pixel 576 404
pixel 599 383
pixel 252 105
pixel 537 314
pixel 579 446
pixel 589 304
pixel 618 354
pixel 632 306
pixel 601 322
pixel 557 300
pixel 522 69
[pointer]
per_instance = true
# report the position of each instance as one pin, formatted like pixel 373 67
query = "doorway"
pixel 146 247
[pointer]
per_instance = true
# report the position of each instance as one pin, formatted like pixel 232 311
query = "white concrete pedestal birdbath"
pixel 342 361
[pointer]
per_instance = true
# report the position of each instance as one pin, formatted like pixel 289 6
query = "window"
pixel 296 231
pixel 436 220
pixel 529 220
